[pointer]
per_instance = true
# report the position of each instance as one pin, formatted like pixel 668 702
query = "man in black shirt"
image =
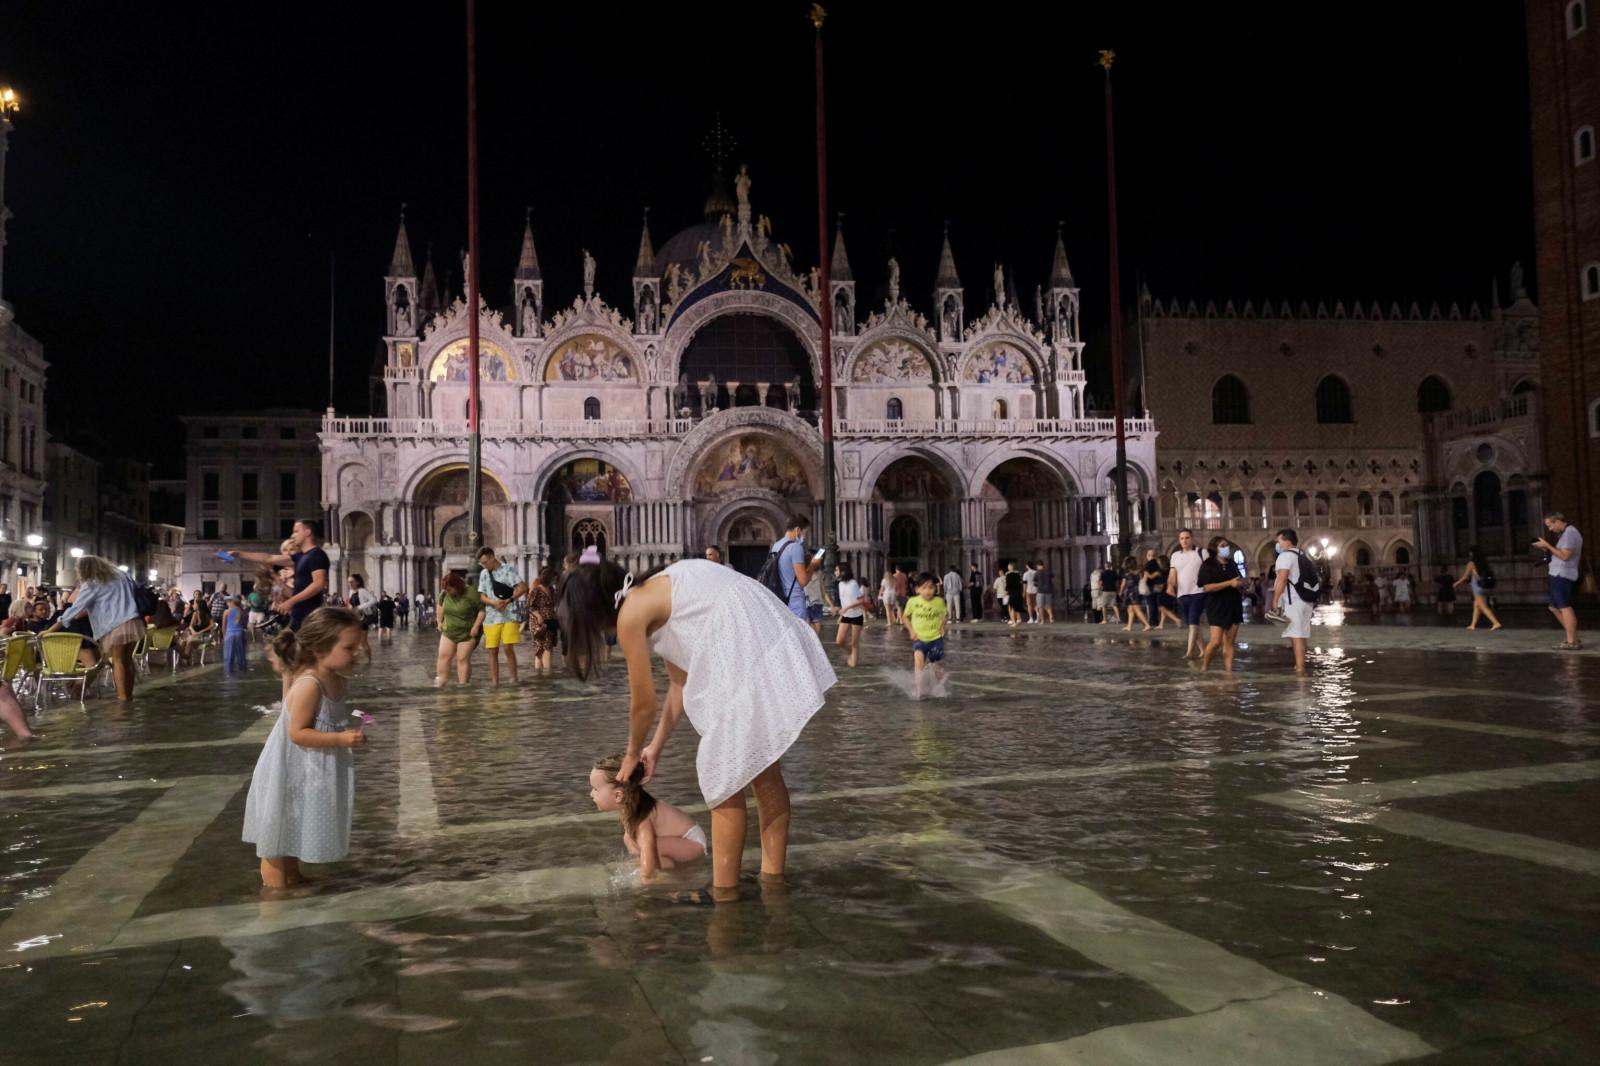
pixel 310 564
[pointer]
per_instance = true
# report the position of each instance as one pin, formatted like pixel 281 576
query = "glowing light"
pixel 124 569
pixel 34 540
pixel 154 574
pixel 9 101
pixel 76 553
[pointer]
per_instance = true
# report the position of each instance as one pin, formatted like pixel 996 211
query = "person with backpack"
pixel 1295 592
pixel 1481 575
pixel 788 569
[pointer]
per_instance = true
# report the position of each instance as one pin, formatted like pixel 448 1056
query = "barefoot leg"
pixel 727 845
pixel 772 811
pixel 273 874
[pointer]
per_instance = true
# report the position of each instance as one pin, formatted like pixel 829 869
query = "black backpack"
pixel 146 600
pixel 1309 587
pixel 770 576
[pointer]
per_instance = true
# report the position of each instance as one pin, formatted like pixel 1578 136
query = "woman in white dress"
pixel 747 672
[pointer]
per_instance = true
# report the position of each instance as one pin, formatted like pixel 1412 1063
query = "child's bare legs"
pixel 11 713
pixel 280 872
pixel 674 851
pixel 918 661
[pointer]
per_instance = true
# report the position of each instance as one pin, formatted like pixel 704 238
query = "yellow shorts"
pixel 504 633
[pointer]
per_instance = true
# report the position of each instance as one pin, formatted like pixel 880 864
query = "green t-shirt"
pixel 457 613
pixel 926 616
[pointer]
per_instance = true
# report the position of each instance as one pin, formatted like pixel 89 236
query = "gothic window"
pixel 896 410
pixel 1577 18
pixel 1333 401
pixel 1583 144
pixel 1591 281
pixel 591 409
pixel 998 410
pixel 1363 557
pixel 587 532
pixel 1230 402
pixel 1402 556
pixel 1433 395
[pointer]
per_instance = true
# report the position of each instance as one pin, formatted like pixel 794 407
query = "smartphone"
pixel 227 557
pixel 817 558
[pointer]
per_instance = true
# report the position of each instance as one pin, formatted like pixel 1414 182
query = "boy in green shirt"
pixel 925 618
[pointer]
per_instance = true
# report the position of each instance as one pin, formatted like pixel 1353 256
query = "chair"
pixel 59 651
pixel 20 663
pixel 158 640
pixel 202 641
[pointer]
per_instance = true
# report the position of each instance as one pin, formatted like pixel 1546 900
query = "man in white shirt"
pixel 1029 592
pixel 1287 601
pixel 1383 591
pixel 1565 554
pixel 1183 581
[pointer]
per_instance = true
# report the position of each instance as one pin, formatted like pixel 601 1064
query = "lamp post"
pixel 10 104
pixel 1118 385
pixel 825 308
pixel 475 445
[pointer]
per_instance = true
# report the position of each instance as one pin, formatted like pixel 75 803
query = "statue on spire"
pixel 741 186
pixel 999 286
pixel 894 281
pixel 588 275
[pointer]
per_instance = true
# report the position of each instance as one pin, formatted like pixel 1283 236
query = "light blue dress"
pixel 301 798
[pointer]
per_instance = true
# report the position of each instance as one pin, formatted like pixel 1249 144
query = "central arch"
pixel 916 513
pixel 440 519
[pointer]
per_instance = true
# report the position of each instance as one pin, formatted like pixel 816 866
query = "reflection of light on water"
pixel 1331 614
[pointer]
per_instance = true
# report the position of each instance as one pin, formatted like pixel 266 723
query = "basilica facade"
pixel 962 435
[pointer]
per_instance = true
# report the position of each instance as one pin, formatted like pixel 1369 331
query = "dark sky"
pixel 181 171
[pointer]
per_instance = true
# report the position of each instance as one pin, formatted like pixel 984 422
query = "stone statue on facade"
pixel 999 285
pixel 791 391
pixel 530 314
pixel 741 185
pixel 402 313
pixel 894 281
pixel 680 394
pixel 647 310
pixel 588 274
pixel 951 326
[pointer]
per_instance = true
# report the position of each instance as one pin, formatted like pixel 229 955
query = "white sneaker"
pixel 1278 617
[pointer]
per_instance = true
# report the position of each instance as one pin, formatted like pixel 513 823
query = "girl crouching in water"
pixel 658 833
pixel 301 793
pixel 747 672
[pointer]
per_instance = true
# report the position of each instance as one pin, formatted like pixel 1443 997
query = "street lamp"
pixel 154 574
pixel 1332 552
pixel 10 102
pixel 35 540
pixel 76 553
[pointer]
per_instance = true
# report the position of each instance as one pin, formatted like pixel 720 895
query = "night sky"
pixel 181 172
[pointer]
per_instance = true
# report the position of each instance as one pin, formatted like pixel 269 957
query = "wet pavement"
pixel 1084 852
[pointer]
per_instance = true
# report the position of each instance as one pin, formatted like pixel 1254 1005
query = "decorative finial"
pixel 818 15
pixel 719 143
pixel 1106 56
pixel 840 224
pixel 402 212
pixel 527 216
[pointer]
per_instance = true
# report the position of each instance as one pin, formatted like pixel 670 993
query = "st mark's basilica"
pixel 962 434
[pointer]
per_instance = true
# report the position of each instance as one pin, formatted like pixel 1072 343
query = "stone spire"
pixel 840 270
pixel 400 265
pixel 428 296
pixel 528 262
pixel 1060 272
pixel 947 279
pixel 645 266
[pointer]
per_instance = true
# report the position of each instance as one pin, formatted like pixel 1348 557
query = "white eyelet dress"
pixel 300 798
pixel 756 673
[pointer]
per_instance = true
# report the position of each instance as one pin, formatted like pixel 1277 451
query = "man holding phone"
pixel 794 564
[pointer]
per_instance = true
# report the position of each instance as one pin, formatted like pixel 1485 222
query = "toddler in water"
pixel 303 787
pixel 660 834
pixel 925 617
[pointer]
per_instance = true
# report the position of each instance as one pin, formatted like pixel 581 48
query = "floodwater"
pixel 1083 848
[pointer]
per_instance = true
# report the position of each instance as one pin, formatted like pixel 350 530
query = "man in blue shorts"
pixel 1183 581
pixel 1565 554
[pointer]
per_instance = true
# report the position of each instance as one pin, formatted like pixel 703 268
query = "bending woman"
pixel 747 672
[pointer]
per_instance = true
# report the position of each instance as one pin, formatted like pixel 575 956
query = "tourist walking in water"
pixel 500 587
pixel 1183 583
pixel 1044 593
pixel 461 615
pixel 1133 590
pixel 1480 575
pixel 1220 581
pixel 1016 604
pixel 235 637
pixel 975 593
pixel 1293 594
pixel 852 612
pixel 886 597
pixel 542 618
pixel 748 673
pixel 310 582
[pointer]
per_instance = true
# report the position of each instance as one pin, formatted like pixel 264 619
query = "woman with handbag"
pixel 1481 574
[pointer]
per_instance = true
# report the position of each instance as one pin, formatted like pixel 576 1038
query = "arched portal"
pixel 749 350
pixel 917 512
pixel 356 535
pixel 1026 504
pixel 441 522
pixel 744 490
pixel 580 502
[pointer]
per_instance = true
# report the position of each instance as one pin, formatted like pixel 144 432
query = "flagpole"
pixel 475 447
pixel 1118 385
pixel 825 308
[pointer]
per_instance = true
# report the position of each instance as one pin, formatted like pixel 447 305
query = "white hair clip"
pixel 622 593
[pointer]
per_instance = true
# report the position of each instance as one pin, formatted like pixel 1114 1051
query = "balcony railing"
pixel 1469 419
pixel 602 429
pixel 990 427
